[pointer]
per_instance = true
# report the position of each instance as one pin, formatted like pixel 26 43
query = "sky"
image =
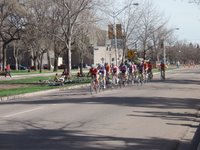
pixel 182 15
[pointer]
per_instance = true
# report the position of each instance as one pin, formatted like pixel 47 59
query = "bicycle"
pixel 94 86
pixel 101 83
pixel 115 80
pixel 149 76
pixel 109 81
pixel 122 80
pixel 162 74
pixel 131 79
pixel 140 78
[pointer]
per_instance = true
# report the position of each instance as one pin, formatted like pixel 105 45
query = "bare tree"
pixel 39 41
pixel 130 22
pixel 151 22
pixel 12 23
pixel 195 1
pixel 70 11
pixel 18 52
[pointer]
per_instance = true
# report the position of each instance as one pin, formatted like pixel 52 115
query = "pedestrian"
pixel 7 70
pixel 162 70
pixel 66 74
pixel 177 64
pixel 56 78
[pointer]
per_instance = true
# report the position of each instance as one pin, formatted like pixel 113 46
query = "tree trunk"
pixel 35 64
pixel 55 61
pixel 81 63
pixel 15 54
pixel 144 52
pixel 69 53
pixel 40 63
pixel 4 56
pixel 48 60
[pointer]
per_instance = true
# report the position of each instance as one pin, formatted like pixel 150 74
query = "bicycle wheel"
pixel 101 85
pixel 140 79
pixel 93 87
pixel 131 80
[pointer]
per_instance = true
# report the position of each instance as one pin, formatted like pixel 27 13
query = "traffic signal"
pixel 161 43
pixel 111 31
pixel 119 31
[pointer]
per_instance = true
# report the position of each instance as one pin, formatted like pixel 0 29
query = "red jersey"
pixel 162 66
pixel 150 66
pixel 8 67
pixel 93 71
pixel 145 66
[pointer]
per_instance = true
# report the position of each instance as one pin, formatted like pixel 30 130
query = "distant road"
pixel 161 115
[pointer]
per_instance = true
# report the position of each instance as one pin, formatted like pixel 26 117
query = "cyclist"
pixel 102 73
pixel 123 71
pixel 140 68
pixel 149 69
pixel 162 70
pixel 94 73
pixel 132 70
pixel 114 71
pixel 107 68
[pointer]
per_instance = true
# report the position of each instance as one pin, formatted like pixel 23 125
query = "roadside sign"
pixel 131 54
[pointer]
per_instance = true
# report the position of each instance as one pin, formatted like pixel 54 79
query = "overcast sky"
pixel 183 15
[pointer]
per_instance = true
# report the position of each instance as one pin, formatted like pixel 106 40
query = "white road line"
pixel 23 112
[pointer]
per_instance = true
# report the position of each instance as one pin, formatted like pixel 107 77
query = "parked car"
pixel 75 66
pixel 32 67
pixel 45 66
pixel 20 67
pixel 62 66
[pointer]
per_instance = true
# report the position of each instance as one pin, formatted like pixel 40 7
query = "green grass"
pixel 25 72
pixel 31 80
pixel 29 85
pixel 23 90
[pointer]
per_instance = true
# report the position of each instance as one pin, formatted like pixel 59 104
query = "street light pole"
pixel 164 52
pixel 115 39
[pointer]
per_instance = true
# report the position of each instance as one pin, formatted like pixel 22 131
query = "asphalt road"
pixel 161 115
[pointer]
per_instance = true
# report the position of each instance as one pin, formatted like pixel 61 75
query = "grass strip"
pixel 23 90
pixel 30 85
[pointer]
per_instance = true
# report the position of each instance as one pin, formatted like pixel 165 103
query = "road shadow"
pixel 33 137
pixel 174 81
pixel 77 140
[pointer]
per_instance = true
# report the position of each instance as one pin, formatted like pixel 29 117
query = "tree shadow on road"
pixel 173 81
pixel 37 138
pixel 53 139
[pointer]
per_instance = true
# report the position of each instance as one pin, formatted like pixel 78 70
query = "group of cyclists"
pixel 123 74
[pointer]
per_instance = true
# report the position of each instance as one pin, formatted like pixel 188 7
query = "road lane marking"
pixel 23 112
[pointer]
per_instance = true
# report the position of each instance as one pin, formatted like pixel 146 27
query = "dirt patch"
pixel 11 86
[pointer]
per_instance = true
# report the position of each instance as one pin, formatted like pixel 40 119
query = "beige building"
pixel 106 54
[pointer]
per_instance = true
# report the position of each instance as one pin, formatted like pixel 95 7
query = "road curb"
pixel 13 97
